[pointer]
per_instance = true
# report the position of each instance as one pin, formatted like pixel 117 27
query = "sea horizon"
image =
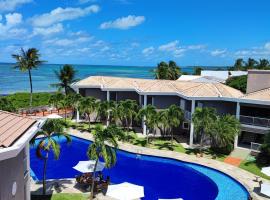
pixel 12 80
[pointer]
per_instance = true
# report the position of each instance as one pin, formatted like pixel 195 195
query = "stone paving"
pixel 244 177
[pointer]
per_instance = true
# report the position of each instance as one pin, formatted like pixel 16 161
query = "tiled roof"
pixel 262 95
pixel 186 88
pixel 12 126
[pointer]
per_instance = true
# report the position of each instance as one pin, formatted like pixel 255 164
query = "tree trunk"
pixel 201 142
pixel 108 120
pixel 89 120
pixel 65 114
pixel 171 137
pixel 93 181
pixel 31 87
pixel 44 174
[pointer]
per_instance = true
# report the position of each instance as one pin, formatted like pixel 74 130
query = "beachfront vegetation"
pixel 16 101
pixel 99 149
pixel 263 157
pixel 47 143
pixel 167 71
pixel 66 76
pixel 238 82
pixel 250 63
pixel 25 62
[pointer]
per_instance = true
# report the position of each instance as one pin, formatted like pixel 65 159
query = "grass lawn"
pixel 207 153
pixel 252 167
pixel 61 196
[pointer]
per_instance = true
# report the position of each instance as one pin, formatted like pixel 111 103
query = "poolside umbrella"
pixel 125 191
pixel 266 171
pixel 54 116
pixel 88 166
pixel 265 189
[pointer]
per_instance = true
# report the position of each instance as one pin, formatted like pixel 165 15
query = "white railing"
pixel 255 121
pixel 187 115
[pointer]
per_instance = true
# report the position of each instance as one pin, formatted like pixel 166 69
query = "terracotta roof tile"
pixel 12 126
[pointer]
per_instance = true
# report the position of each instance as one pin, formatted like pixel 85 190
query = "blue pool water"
pixel 161 177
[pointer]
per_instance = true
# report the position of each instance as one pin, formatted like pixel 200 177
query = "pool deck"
pixel 244 177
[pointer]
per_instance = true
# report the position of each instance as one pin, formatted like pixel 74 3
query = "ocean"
pixel 12 80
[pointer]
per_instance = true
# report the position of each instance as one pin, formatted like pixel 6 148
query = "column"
pixel 237 115
pixel 77 111
pixel 108 95
pixel 108 99
pixel 144 106
pixel 27 177
pixel 191 134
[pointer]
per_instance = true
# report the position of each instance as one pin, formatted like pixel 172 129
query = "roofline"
pixel 16 148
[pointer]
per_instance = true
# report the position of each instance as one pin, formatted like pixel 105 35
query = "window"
pixel 185 125
pixel 150 100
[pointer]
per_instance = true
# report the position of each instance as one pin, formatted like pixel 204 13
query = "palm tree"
pixel 175 115
pixel 263 64
pixel 127 109
pixel 239 63
pixel 65 104
pixel 167 71
pixel 66 76
pixel 225 129
pixel 100 149
pixel 162 122
pixel 26 61
pixel 106 109
pixel 88 107
pixel 47 142
pixel 74 102
pixel 149 117
pixel 203 119
pixel 55 100
pixel 251 63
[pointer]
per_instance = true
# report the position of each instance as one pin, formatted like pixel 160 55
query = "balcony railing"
pixel 187 115
pixel 255 121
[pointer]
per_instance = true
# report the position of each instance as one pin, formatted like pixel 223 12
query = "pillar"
pixel 77 111
pixel 108 99
pixel 144 106
pixel 108 95
pixel 191 134
pixel 27 176
pixel 237 115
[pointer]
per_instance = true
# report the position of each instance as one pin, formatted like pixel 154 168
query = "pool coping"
pixel 244 177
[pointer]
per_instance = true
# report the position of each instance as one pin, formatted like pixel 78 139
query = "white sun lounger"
pixel 265 189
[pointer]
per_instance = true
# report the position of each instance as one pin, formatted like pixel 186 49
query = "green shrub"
pixel 238 82
pixel 263 157
pixel 223 150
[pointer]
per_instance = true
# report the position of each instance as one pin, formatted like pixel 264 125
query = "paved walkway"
pixel 237 156
pixel 244 177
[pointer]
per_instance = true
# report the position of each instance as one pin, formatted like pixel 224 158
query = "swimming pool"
pixel 161 177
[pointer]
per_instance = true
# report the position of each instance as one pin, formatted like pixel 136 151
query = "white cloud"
pixel 11 5
pixel 123 23
pixel 218 52
pixel 86 1
pixel 267 45
pixel 46 31
pixel 67 42
pixel 62 14
pixel 258 52
pixel 11 27
pixel 196 47
pixel 171 46
pixel 148 51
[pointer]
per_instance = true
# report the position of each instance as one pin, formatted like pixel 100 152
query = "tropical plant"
pixel 47 142
pixel 238 82
pixel 162 122
pixel 263 157
pixel 106 109
pixel 87 107
pixel 55 100
pixel 263 64
pixel 66 75
pixel 251 63
pixel 65 104
pixel 203 119
pixel 25 62
pixel 168 71
pixel 127 110
pixel 7 105
pixel 239 64
pixel 175 116
pixel 149 117
pixel 225 129
pixel 197 71
pixel 99 149
pixel 74 102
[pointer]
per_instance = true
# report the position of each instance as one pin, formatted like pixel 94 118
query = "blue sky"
pixel 136 32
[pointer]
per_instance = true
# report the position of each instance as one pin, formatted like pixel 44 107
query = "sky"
pixel 136 32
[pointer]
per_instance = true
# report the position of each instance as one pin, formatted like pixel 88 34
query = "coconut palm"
pixel 175 116
pixel 149 117
pixel 55 100
pixel 26 61
pixel 106 109
pixel 239 63
pixel 65 104
pixel 168 71
pixel 203 119
pixel 88 106
pixel 66 76
pixel 127 110
pixel 251 63
pixel 99 149
pixel 47 142
pixel 74 102
pixel 162 122
pixel 263 64
pixel 225 129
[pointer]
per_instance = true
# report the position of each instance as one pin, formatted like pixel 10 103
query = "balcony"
pixel 255 121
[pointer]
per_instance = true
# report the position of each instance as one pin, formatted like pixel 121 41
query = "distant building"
pixel 198 78
pixel 222 75
pixel 15 134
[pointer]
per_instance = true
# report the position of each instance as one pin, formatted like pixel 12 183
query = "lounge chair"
pixel 265 189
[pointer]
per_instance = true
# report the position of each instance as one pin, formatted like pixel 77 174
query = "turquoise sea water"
pixel 12 80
